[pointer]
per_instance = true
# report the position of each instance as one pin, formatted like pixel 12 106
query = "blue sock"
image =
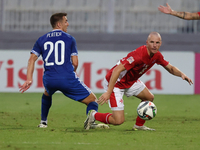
pixel 46 104
pixel 92 105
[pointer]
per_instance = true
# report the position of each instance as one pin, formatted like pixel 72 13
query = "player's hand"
pixel 104 98
pixel 184 77
pixel 25 86
pixel 165 9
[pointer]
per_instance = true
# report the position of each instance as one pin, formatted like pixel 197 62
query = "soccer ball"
pixel 146 110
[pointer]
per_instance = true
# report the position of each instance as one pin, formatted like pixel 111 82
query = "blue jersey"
pixel 56 48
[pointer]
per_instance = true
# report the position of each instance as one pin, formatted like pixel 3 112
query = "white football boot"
pixel 135 128
pixel 99 126
pixel 42 125
pixel 89 120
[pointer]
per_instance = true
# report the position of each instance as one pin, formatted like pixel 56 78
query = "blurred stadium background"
pixel 112 26
pixel 98 16
pixel 99 24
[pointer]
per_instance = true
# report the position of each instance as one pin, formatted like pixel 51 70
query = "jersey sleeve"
pixel 161 61
pixel 129 61
pixel 198 13
pixel 36 49
pixel 74 51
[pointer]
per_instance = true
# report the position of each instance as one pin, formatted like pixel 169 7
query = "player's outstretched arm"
pixel 183 15
pixel 184 77
pixel 30 69
pixel 165 9
pixel 25 86
pixel 175 71
pixel 115 75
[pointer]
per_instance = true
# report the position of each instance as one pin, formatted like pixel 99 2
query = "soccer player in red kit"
pixel 183 15
pixel 123 78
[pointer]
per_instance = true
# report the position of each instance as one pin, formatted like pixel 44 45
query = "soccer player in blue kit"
pixel 60 56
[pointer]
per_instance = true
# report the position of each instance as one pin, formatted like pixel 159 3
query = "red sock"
pixel 103 117
pixel 139 121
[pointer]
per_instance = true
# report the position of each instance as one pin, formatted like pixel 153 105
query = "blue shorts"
pixel 72 88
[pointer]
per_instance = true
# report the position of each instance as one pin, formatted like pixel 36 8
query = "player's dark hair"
pixel 56 18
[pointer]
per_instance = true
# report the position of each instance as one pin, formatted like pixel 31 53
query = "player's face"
pixel 153 44
pixel 64 24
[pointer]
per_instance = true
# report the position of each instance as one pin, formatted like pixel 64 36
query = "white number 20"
pixel 55 48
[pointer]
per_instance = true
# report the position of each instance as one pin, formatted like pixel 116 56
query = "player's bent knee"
pixel 117 117
pixel 89 99
pixel 151 98
pixel 119 122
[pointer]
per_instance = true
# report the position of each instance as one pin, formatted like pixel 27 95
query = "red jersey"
pixel 198 13
pixel 136 63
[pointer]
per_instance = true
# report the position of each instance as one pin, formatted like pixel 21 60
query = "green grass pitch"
pixel 177 125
